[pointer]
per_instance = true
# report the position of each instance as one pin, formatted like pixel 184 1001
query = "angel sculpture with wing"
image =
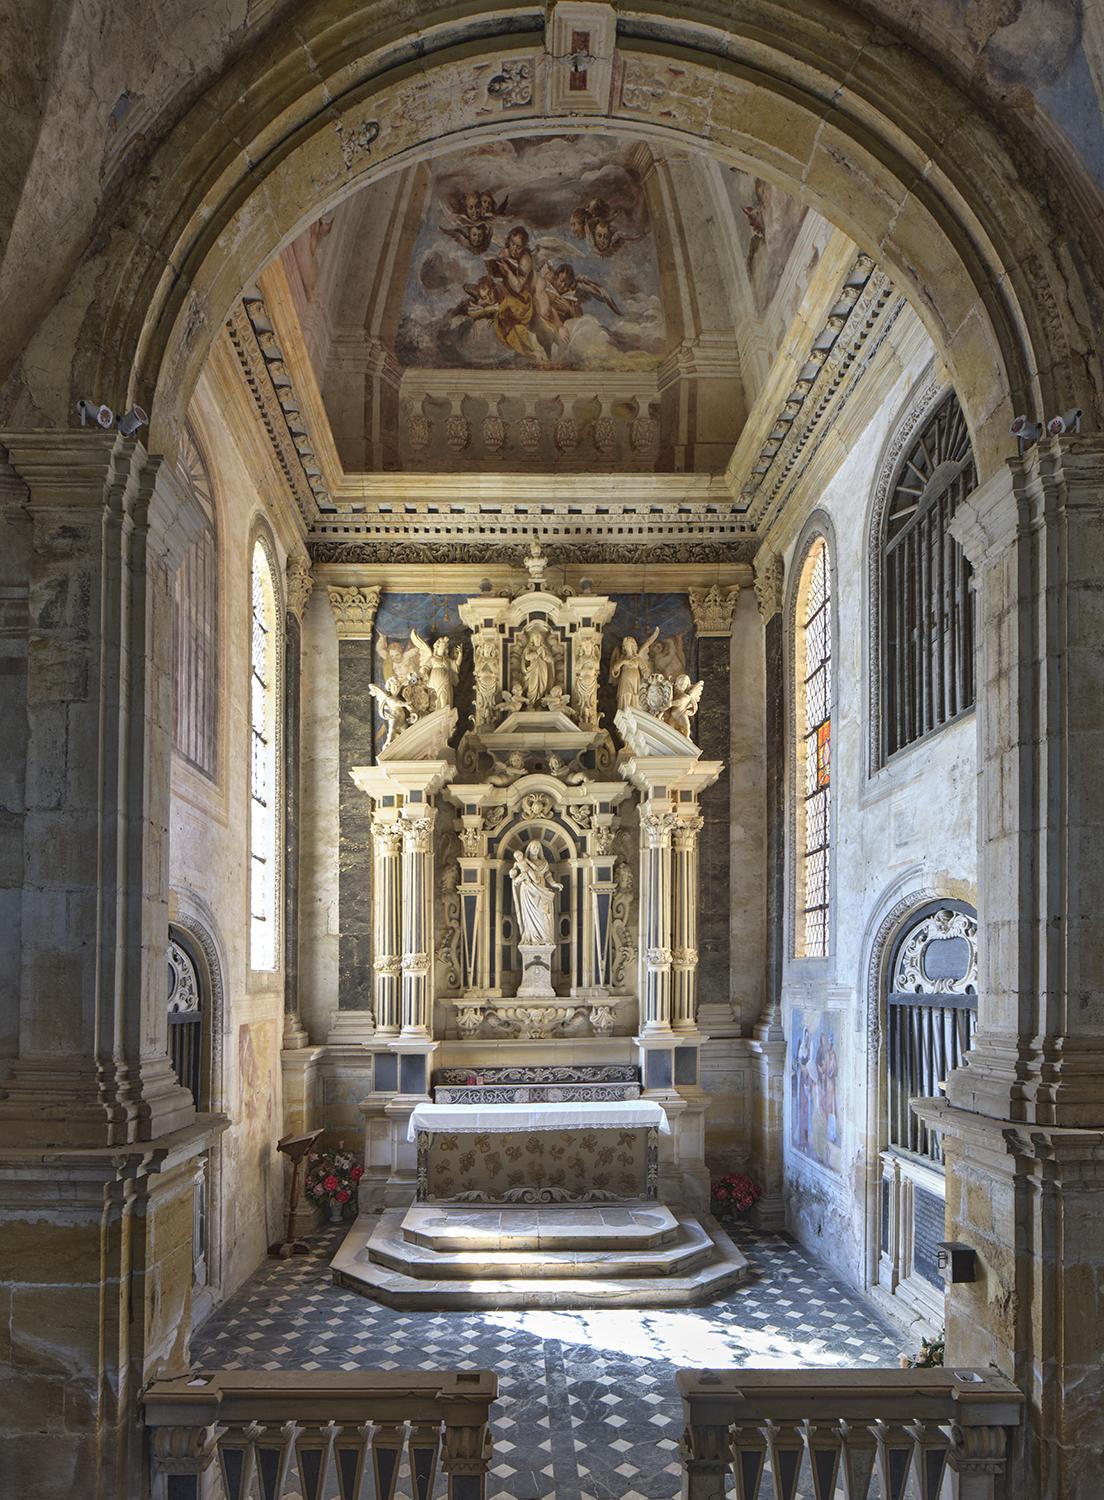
pixel 439 666
pixel 684 704
pixel 393 710
pixel 630 665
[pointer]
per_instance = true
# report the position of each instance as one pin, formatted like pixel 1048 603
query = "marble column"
pixel 417 918
pixel 684 925
pixel 1022 1123
pixel 109 524
pixel 387 959
pixel 656 827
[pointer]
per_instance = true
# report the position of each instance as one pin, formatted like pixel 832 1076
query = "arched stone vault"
pixel 845 116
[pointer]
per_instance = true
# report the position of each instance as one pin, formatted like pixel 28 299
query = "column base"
pixel 347 1027
pixel 49 1104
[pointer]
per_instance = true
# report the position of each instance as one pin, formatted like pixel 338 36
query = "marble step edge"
pixel 726 1270
pixel 386 1247
pixel 548 1227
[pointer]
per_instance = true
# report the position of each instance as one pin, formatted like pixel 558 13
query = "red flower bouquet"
pixel 332 1177
pixel 732 1195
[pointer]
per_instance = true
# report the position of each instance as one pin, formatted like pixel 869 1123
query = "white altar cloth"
pixel 475 1119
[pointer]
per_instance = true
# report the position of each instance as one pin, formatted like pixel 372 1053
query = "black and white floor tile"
pixel 587 1406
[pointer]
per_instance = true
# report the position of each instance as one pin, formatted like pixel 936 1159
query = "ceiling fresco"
pixel 534 253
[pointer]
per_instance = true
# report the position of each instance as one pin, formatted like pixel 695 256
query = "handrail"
pixel 946 1428
pixel 296 1425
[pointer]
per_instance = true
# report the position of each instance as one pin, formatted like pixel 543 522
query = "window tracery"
pixel 195 625
pixel 263 784
pixel 926 606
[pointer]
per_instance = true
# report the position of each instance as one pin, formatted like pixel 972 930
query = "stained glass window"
pixel 263 777
pixel 813 702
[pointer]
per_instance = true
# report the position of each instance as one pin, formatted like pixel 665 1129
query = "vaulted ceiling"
pixel 562 303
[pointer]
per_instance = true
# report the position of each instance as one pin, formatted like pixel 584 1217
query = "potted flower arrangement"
pixel 731 1196
pixel 930 1356
pixel 332 1178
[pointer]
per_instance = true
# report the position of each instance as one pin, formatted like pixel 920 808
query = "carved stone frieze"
pixel 570 549
pixel 354 611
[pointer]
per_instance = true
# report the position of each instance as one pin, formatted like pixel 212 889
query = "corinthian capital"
pixel 300 581
pixel 713 609
pixel 768 584
pixel 354 610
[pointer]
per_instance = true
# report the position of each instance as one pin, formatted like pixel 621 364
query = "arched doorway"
pixel 928 1013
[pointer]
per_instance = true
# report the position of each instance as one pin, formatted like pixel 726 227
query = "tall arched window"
pixel 813 745
pixel 195 626
pixel 264 788
pixel 926 610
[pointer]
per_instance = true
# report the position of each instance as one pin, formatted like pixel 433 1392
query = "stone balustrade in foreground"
pixel 294 1432
pixel 942 1434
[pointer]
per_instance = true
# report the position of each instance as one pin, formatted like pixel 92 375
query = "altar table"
pixel 538 1153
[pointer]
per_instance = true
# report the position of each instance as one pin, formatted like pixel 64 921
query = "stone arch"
pixel 959 212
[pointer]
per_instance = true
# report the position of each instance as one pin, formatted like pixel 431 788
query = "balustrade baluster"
pixel 748 1450
pixel 423 1444
pixel 312 1453
pixel 823 1448
pixel 351 1446
pixel 237 1459
pixel 387 1445
pixel 273 1455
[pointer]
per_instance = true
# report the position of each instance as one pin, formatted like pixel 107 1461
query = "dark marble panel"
pixel 355 817
pixel 776 806
pixel 714 735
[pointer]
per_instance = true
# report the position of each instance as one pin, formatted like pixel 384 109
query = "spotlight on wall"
pixel 1025 432
pixel 95 413
pixel 131 420
pixel 1069 421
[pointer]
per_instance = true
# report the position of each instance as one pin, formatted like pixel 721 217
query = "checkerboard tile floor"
pixel 587 1406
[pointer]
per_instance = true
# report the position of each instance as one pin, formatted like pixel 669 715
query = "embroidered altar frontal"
pixel 477 1157
pixel 545 1166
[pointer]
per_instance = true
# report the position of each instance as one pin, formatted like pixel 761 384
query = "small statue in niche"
pixel 586 658
pixel 439 666
pixel 534 896
pixel 684 703
pixel 485 652
pixel 506 772
pixel 629 666
pixel 537 666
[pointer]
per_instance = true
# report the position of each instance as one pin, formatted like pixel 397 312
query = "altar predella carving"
pixel 554 835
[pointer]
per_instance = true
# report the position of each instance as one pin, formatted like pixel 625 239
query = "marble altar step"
pixel 690 1249
pixel 378 1262
pixel 555 1226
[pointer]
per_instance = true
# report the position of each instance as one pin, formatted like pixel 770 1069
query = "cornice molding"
pixel 273 419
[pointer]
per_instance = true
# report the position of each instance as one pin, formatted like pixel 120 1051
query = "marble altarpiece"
pixel 534 872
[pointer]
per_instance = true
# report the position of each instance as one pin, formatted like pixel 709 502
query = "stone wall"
pixel 209 870
pixel 908 828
